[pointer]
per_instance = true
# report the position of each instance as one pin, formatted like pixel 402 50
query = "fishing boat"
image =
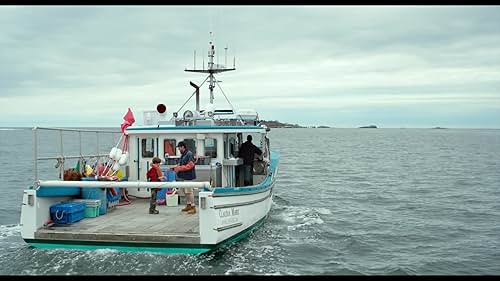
pixel 227 209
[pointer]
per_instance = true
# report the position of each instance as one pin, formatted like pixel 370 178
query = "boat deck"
pixel 131 223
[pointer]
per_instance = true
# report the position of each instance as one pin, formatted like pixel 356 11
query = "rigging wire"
pixel 192 94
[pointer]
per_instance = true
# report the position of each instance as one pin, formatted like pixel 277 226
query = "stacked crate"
pixel 92 207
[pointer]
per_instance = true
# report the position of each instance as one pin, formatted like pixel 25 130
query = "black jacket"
pixel 247 151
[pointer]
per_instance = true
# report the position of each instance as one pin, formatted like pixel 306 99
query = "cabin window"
pixel 211 148
pixel 240 139
pixel 148 147
pixel 191 145
pixel 233 147
pixel 169 147
pixel 257 139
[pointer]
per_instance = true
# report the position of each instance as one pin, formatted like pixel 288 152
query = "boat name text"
pixel 229 213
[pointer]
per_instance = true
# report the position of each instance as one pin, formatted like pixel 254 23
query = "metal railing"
pixel 60 158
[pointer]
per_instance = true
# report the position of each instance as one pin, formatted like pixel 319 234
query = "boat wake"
pixel 303 217
pixel 9 230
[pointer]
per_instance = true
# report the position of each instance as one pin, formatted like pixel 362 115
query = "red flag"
pixel 129 120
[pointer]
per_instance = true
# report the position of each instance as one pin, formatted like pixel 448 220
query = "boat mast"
pixel 212 69
pixel 211 54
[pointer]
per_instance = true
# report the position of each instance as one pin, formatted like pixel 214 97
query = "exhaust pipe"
pixel 197 95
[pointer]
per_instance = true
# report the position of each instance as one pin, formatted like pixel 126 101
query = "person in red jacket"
pixel 154 174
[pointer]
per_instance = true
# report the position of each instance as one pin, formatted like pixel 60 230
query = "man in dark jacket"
pixel 186 171
pixel 247 151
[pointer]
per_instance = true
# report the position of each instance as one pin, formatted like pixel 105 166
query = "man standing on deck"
pixel 185 171
pixel 247 151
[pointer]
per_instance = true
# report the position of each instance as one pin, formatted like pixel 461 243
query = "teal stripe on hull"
pixel 75 246
pixel 130 247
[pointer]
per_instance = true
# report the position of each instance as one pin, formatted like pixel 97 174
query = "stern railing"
pixel 61 157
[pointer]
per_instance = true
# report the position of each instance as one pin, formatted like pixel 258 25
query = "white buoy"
pixel 124 159
pixel 118 154
pixel 112 153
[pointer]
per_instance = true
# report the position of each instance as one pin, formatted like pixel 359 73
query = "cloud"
pixel 63 62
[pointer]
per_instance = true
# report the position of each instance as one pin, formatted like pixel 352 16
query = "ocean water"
pixel 347 202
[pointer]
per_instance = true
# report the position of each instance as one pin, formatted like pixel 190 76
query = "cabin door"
pixel 148 148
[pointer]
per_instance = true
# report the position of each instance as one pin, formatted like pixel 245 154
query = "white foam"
pixel 9 230
pixel 279 273
pixel 105 251
pixel 262 251
pixel 56 267
pixel 268 247
pixel 300 217
pixel 307 222
pixel 233 270
pixel 323 211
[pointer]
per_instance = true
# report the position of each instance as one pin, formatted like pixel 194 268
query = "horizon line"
pixel 301 127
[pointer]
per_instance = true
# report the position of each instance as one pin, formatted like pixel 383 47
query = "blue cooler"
pixel 67 212
pixel 95 193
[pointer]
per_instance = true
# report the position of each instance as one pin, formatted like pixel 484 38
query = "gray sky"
pixel 342 66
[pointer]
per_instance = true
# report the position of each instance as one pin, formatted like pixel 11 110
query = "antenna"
pixel 212 69
pixel 194 64
pixel 211 23
pixel 225 59
pixel 211 53
pixel 234 62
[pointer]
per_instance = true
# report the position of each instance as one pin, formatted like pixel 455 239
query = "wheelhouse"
pixel 215 149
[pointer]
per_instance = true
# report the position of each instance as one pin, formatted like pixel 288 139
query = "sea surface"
pixel 347 202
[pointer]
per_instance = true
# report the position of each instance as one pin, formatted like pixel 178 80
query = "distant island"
pixel 439 128
pixel 369 126
pixel 277 124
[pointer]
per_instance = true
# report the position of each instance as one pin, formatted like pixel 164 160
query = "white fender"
pixel 123 159
pixel 118 154
pixel 112 153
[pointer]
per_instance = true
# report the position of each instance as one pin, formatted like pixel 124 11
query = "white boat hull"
pixel 225 215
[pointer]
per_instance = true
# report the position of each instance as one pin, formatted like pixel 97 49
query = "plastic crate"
pixel 112 197
pixel 113 200
pixel 92 207
pixel 91 212
pixel 95 193
pixel 172 198
pixel 89 202
pixel 67 212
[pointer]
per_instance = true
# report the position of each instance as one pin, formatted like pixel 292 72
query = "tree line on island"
pixel 278 124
